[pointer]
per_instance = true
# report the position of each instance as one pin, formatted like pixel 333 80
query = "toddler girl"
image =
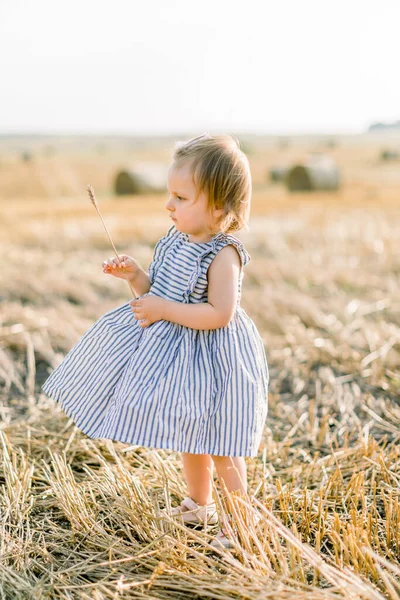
pixel 183 366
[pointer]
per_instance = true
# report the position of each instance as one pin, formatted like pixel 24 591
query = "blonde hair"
pixel 221 170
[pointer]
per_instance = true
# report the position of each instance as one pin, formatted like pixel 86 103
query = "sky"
pixel 174 66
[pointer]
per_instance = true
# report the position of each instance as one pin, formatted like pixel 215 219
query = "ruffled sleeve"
pixel 160 250
pixel 198 276
pixel 231 239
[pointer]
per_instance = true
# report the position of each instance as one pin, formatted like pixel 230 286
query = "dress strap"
pixel 161 249
pixel 220 241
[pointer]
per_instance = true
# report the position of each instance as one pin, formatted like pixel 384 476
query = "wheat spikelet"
pixel 94 202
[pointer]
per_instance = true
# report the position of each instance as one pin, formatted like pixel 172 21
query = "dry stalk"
pixel 94 202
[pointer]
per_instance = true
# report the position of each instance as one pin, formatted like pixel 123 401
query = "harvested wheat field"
pixel 80 517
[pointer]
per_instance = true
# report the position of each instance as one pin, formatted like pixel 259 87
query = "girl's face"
pixel 189 215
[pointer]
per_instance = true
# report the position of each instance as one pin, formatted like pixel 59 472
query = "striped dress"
pixel 167 385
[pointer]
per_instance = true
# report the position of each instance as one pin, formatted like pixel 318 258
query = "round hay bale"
pixel 144 178
pixel 317 173
pixel 332 143
pixel 26 156
pixel 388 154
pixel 278 173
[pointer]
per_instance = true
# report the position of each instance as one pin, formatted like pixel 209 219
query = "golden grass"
pixel 80 518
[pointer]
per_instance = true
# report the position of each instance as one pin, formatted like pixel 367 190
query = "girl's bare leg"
pixel 198 469
pixel 234 479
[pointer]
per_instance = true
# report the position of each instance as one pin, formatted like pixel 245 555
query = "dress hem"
pixel 56 395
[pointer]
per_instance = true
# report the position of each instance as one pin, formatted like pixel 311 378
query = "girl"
pixel 183 366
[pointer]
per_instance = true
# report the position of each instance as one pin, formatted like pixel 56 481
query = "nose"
pixel 169 204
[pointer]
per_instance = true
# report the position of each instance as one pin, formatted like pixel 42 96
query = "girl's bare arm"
pixel 197 316
pixel 141 282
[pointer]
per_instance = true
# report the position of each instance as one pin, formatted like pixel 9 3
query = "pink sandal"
pixel 222 540
pixel 194 513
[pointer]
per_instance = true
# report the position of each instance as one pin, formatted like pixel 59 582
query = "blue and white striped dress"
pixel 167 385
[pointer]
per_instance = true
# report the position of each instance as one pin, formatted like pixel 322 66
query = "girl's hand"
pixel 148 309
pixel 124 268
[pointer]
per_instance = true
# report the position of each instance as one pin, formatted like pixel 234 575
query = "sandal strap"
pixel 192 505
pixel 199 511
pixel 189 503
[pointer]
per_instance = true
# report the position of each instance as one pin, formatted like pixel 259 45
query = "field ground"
pixel 78 516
